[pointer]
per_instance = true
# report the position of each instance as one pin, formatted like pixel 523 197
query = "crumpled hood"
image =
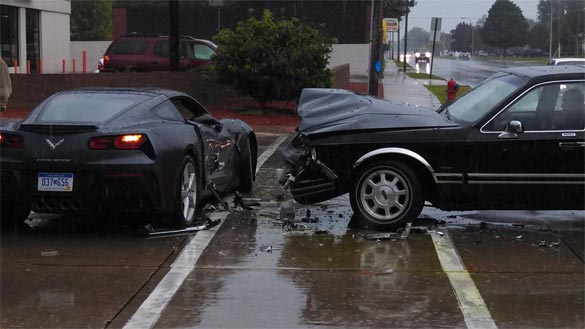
pixel 333 110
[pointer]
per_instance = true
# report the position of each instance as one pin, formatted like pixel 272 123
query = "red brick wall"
pixel 30 90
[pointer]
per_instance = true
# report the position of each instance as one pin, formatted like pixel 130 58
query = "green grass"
pixel 423 76
pixel 509 59
pixel 440 91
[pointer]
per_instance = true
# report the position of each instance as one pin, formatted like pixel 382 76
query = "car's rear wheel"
pixel 246 171
pixel 187 194
pixel 386 194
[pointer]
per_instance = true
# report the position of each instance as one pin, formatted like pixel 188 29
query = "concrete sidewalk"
pixel 401 88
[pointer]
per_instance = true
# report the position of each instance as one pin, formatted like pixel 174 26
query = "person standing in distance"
pixel 5 85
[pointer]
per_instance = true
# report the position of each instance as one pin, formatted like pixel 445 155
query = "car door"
pixel 218 143
pixel 531 153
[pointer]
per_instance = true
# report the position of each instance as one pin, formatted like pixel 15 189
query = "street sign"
pixel 436 23
pixel 390 24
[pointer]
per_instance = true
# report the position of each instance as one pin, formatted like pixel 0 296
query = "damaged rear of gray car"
pixel 474 154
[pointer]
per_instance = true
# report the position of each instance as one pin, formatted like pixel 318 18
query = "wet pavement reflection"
pixel 275 267
pixel 313 274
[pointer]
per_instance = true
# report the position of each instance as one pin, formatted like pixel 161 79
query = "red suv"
pixel 150 52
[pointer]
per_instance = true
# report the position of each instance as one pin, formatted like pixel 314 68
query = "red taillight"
pixel 106 59
pixel 101 143
pixel 122 142
pixel 12 141
pixel 129 141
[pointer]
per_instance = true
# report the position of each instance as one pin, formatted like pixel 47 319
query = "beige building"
pixel 35 31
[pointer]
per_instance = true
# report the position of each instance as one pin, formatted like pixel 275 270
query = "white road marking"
pixel 269 151
pixel 475 312
pixel 152 308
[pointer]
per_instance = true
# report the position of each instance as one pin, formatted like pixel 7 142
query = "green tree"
pixel 505 26
pixel 461 37
pixel 91 20
pixel 271 59
pixel 567 26
pixel 418 38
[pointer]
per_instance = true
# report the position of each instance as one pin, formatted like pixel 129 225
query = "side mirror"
pixel 512 130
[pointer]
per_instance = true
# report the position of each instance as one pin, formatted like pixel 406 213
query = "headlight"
pixel 428 54
pixel 417 54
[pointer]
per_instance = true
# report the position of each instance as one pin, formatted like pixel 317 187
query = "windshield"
pixel 87 107
pixel 482 98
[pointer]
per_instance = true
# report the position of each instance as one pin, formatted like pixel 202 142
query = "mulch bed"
pixel 279 114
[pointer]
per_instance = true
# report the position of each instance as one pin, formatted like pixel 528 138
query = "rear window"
pixel 87 107
pixel 130 46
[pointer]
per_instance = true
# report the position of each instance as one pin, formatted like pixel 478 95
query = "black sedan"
pixel 516 141
pixel 106 151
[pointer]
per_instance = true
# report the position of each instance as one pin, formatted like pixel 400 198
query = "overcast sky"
pixel 451 12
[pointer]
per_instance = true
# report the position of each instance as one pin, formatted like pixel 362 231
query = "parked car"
pixel 422 55
pixel 150 52
pixel 516 141
pixel 107 151
pixel 465 56
pixel 566 61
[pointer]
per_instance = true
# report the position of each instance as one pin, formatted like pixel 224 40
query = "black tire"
pixel 246 171
pixel 392 198
pixel 187 198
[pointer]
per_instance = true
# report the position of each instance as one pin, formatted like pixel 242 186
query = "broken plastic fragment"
pixel 50 253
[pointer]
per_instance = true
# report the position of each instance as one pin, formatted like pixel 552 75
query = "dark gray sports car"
pixel 122 150
pixel 516 141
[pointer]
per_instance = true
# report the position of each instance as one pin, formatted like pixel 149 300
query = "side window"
pixel 130 46
pixel 161 48
pixel 188 108
pixel 543 109
pixel 202 51
pixel 167 111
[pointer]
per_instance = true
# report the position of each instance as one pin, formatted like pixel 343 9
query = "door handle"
pixel 571 145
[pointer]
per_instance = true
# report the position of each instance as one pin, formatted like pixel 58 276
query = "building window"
pixel 9 35
pixel 32 39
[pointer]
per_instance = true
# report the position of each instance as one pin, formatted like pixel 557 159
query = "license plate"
pixel 55 182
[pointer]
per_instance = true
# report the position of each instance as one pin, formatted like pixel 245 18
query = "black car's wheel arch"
pixel 428 186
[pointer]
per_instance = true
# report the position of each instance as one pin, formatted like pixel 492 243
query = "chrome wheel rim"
pixel 385 195
pixel 189 192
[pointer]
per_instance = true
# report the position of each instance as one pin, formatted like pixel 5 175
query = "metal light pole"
pixel 370 64
pixel 550 34
pixel 472 33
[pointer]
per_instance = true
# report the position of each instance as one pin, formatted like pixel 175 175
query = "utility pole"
pixel 550 54
pixel 376 47
pixel 174 35
pixel 405 35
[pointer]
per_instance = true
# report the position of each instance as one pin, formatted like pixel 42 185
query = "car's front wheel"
pixel 187 194
pixel 386 194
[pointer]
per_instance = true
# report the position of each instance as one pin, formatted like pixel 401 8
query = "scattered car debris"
pixel 406 231
pixel 269 249
pixel 287 211
pixel 239 201
pixel 440 233
pixel 321 231
pixel 545 244
pixel 382 236
pixel 385 272
pixel 519 237
pixel 205 226
pixel 50 253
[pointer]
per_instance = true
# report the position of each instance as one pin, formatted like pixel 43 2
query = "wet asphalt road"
pixel 255 272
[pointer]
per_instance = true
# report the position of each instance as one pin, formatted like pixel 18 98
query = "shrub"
pixel 273 60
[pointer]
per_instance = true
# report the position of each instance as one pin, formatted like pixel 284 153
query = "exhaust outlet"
pixel 51 204
pixel 65 205
pixel 39 204
pixel 76 205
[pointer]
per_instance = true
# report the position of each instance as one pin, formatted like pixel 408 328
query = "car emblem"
pixel 54 145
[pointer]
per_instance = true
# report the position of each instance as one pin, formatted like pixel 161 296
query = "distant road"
pixel 469 72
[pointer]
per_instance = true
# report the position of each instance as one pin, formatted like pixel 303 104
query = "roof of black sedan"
pixel 547 70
